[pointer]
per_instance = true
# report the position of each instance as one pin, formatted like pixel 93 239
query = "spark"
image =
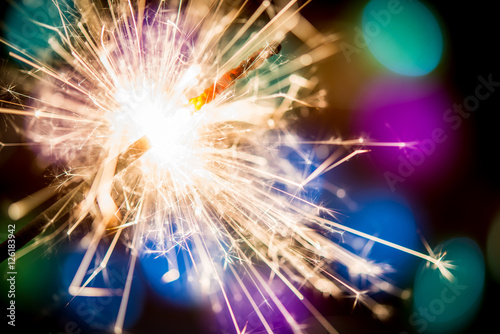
pixel 151 158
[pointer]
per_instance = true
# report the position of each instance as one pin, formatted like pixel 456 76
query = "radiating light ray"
pixel 126 293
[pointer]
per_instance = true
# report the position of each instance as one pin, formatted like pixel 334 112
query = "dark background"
pixel 465 206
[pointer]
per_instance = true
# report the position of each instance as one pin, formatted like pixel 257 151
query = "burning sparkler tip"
pixel 230 77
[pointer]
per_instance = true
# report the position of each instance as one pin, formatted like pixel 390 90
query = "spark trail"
pixel 152 161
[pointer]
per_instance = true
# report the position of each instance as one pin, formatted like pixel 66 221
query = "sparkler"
pixel 158 165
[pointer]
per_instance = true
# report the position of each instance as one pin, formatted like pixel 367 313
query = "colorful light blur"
pixel 388 216
pixel 408 110
pixel 99 312
pixel 27 25
pixel 36 287
pixel 404 36
pixel 441 305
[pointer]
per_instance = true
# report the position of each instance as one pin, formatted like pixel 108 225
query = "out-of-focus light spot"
pixel 493 248
pixel 388 217
pixel 23 31
pixel 170 276
pixel 341 193
pixel 409 112
pixel 98 313
pixel 322 152
pixel 15 211
pixel 405 294
pixel 306 60
pixel 34 289
pixel 166 273
pixel 444 306
pixel 382 312
pixel 403 35
pixel 216 307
